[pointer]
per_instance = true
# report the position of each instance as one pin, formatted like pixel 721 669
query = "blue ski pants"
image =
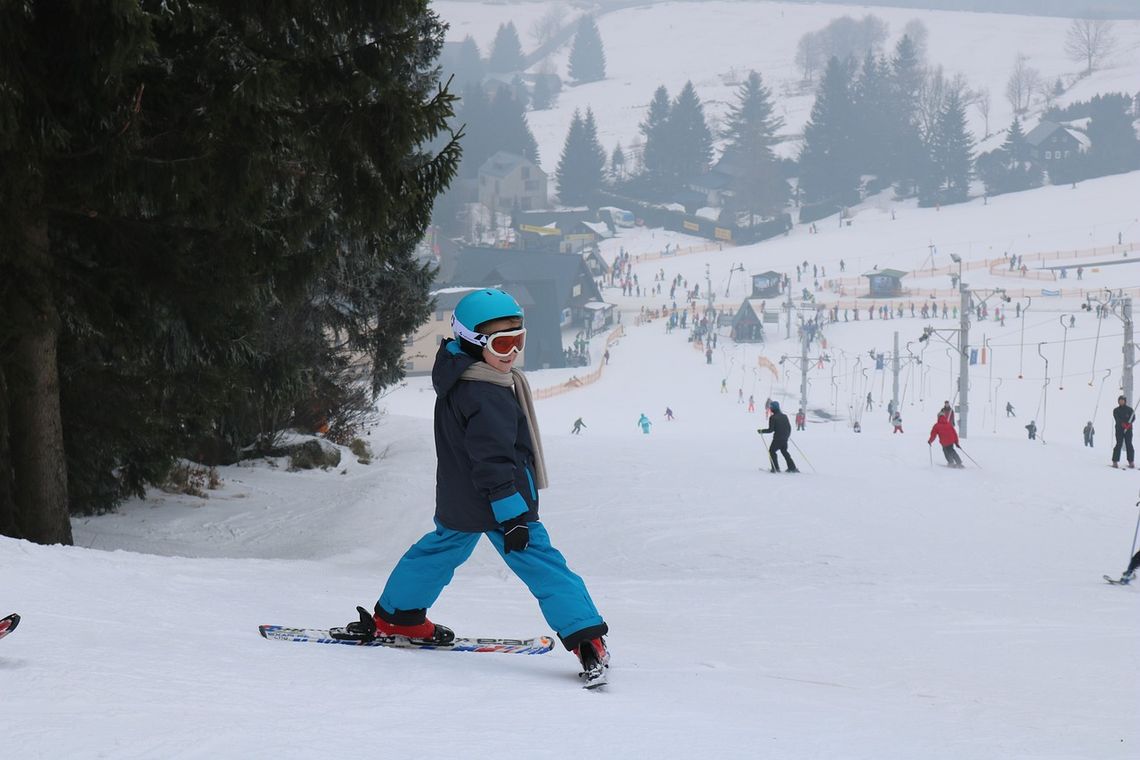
pixel 429 565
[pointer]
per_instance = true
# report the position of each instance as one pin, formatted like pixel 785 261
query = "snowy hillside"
pixel 715 44
pixel 876 606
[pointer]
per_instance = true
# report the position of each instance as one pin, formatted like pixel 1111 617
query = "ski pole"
pixel 930 450
pixel 969 457
pixel 766 451
pixel 802 454
pixel 1135 533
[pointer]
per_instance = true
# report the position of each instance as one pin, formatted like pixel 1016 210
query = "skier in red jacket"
pixel 948 439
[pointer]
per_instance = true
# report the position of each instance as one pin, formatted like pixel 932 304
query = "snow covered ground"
pixel 715 44
pixel 876 606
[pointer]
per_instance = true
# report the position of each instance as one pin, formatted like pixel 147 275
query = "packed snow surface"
pixel 878 605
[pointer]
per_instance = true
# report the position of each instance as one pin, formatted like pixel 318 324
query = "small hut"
pixel 885 283
pixel 767 284
pixel 748 323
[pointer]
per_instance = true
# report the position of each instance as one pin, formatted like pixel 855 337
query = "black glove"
pixel 516 534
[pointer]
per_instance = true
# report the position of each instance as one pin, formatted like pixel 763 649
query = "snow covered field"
pixel 876 606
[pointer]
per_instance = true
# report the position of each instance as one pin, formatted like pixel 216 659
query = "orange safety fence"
pixel 588 379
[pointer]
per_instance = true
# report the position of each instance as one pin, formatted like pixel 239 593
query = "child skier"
pixel 1031 428
pixel 801 418
pixel 644 423
pixel 896 420
pixel 490 467
pixel 948 439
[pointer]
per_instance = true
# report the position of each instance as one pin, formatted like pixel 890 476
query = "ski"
pixel 8 624
pixel 1117 581
pixel 539 645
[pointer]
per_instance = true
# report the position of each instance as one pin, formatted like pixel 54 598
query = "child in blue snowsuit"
pixel 644 424
pixel 489 470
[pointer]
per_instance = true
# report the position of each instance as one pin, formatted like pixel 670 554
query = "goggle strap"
pixel 461 330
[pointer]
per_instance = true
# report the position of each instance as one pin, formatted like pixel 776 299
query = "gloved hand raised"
pixel 516 534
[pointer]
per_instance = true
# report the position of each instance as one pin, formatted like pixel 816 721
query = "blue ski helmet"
pixel 476 309
pixel 774 406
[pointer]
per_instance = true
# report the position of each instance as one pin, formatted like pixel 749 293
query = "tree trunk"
pixel 7 497
pixel 35 422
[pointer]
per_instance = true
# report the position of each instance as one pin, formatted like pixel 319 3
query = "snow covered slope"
pixel 876 606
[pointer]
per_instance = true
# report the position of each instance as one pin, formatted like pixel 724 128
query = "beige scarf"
pixel 481 372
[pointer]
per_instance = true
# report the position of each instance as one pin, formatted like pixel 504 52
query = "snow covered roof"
pixel 600 229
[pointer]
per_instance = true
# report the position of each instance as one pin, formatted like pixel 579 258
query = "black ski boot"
pixel 595 659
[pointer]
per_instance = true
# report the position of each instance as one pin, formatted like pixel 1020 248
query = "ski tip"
pixel 8 624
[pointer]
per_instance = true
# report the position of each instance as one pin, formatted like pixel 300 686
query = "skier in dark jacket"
pixel 1123 416
pixel 490 467
pixel 1088 433
pixel 781 431
pixel 1031 428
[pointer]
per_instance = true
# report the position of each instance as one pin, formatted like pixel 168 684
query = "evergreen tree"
pixel 580 169
pixel 465 66
pixel 951 156
pixel 750 131
pixel 542 98
pixel 1114 148
pixel 587 57
pixel 829 162
pixel 655 128
pixel 506 51
pixel 906 155
pixel 689 138
pixel 1009 169
pixel 169 187
pixel 490 126
pixel 509 128
pixel 875 126
pixel 617 163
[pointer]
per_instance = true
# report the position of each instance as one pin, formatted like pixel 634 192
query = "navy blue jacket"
pixel 779 427
pixel 485 469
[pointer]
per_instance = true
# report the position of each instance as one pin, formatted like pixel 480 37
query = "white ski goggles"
pixel 501 344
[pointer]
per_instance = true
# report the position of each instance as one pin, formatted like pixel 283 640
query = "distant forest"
pixel 1120 9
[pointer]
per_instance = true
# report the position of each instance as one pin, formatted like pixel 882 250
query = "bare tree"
pixel 1023 82
pixel 809 55
pixel 550 24
pixel 918 34
pixel 982 102
pixel 1090 40
pixel 931 96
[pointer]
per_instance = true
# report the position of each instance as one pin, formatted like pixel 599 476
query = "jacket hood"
pixel 450 364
